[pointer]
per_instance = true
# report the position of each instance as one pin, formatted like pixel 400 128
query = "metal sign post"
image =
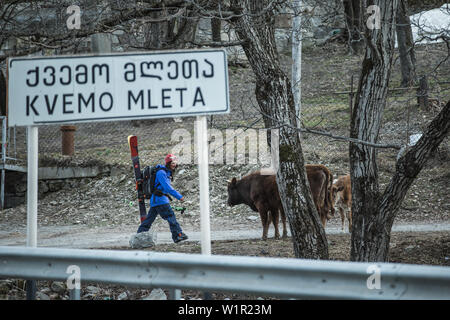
pixel 202 149
pixel 32 185
pixel 32 198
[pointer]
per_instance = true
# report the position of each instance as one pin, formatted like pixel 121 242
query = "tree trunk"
pixel 186 31
pixel 374 212
pixel 156 33
pixel 216 24
pixel 174 33
pixel 255 26
pixel 355 26
pixel 368 230
pixel 405 45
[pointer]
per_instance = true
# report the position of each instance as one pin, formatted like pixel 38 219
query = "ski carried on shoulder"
pixel 133 144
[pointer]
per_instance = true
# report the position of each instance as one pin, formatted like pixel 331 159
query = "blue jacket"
pixel 162 182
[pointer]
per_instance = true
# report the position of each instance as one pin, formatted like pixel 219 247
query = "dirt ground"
pixel 431 248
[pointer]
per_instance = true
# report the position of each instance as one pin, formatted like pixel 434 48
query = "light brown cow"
pixel 341 194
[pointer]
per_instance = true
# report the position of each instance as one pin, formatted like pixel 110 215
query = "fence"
pixel 290 278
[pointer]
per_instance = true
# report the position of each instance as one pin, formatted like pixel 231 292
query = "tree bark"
pixel 255 26
pixel 368 231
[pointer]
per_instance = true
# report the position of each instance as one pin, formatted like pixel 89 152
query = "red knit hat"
pixel 170 158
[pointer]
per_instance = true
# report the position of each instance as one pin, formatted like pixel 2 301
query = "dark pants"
pixel 166 212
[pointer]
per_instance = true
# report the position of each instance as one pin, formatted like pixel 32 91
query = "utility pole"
pixel 297 58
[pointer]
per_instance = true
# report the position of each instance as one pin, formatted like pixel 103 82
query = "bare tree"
pixel 40 25
pixel 216 23
pixel 254 24
pixel 373 210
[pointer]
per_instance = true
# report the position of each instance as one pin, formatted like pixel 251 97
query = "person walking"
pixel 159 201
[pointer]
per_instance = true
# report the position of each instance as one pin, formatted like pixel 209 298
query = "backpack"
pixel 148 181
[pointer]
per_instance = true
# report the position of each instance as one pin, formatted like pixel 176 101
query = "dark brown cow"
pixel 260 192
pixel 341 195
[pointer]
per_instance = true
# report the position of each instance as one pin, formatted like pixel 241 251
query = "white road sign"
pixel 69 89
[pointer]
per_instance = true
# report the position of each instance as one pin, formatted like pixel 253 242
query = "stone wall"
pixel 16 185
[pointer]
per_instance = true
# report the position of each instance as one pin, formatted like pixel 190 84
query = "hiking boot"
pixel 180 237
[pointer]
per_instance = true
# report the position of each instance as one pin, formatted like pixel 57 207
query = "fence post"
pixel 68 140
pixel 422 93
pixel 4 141
pixel 351 97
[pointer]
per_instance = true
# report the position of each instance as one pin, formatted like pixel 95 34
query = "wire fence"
pixel 329 85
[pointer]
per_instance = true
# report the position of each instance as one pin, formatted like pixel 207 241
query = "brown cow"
pixel 260 192
pixel 320 180
pixel 341 195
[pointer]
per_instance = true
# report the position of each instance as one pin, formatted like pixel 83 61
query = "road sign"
pixel 112 87
pixel 70 89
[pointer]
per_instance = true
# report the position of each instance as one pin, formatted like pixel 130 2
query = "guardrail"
pixel 293 278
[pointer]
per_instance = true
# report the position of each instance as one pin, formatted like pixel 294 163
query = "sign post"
pixel 202 147
pixel 32 198
pixel 113 87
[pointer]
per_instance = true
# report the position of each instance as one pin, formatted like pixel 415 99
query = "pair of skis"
pixel 133 144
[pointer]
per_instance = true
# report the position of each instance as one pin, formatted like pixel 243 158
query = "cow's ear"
pixel 233 181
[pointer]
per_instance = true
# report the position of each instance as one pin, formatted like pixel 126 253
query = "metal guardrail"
pixel 293 278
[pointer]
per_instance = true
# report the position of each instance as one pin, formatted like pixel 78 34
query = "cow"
pixel 341 195
pixel 260 193
pixel 320 180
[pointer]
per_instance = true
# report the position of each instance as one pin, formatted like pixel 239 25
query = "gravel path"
pixel 82 237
